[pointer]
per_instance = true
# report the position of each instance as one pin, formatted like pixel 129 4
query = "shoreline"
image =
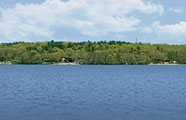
pixel 165 64
pixel 62 64
pixel 74 64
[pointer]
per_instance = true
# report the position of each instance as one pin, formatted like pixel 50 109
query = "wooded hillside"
pixel 91 53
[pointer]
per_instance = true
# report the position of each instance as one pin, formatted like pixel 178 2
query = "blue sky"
pixel 151 21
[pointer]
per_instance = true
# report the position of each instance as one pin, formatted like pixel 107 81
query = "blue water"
pixel 92 92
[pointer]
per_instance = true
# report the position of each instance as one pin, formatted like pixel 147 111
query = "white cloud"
pixel 176 10
pixel 176 30
pixel 90 17
pixel 147 30
pixel 169 33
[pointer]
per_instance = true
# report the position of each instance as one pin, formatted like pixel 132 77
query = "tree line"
pixel 102 52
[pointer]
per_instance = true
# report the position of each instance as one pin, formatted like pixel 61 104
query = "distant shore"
pixel 91 53
pixel 41 64
pixel 64 64
pixel 165 64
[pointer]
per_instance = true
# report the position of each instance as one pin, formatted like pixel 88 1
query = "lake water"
pixel 92 92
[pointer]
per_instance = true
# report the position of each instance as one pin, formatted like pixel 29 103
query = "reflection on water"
pixel 92 92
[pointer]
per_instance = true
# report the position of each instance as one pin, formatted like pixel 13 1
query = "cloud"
pixel 175 30
pixel 34 22
pixel 176 10
pixel 169 33
pixel 147 30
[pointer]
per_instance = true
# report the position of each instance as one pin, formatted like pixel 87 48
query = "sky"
pixel 148 21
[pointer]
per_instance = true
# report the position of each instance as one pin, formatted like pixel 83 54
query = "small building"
pixel 67 60
pixel 170 62
pixel 46 60
pixel 174 62
pixel 167 61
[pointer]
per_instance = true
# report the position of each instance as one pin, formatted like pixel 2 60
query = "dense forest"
pixel 112 52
